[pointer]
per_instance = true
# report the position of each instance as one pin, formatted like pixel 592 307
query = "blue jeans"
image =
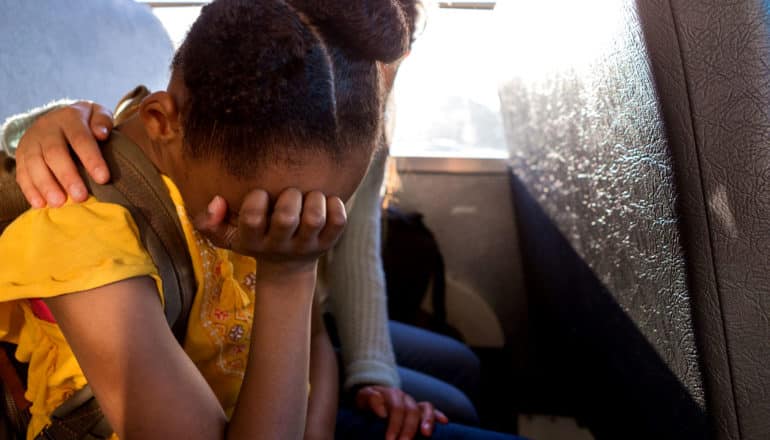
pixel 355 425
pixel 437 369
pixel 433 368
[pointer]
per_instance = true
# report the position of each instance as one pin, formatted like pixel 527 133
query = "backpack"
pixel 413 262
pixel 136 185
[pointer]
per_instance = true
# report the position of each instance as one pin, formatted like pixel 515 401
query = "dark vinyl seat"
pixel 79 49
pixel 639 134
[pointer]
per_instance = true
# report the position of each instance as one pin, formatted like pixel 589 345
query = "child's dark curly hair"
pixel 414 15
pixel 266 79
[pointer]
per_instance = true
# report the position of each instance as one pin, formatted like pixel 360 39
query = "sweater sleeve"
pixel 15 126
pixel 357 289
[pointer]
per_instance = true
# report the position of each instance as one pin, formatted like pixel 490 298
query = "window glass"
pixel 446 100
pixel 177 20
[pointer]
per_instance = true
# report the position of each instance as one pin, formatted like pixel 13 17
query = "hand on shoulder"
pixel 45 170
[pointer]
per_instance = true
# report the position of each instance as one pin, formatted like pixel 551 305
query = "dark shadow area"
pixel 500 392
pixel 587 359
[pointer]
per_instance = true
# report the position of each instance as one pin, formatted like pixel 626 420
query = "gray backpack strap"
pixel 137 185
pixel 12 201
pixel 78 418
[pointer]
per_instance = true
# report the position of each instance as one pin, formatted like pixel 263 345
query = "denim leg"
pixel 357 425
pixel 436 355
pixel 447 398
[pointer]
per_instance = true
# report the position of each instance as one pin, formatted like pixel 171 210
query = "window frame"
pixel 467 4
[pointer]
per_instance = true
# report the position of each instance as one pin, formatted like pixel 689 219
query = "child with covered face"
pixel 260 137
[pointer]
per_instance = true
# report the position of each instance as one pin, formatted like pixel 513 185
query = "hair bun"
pixel 372 29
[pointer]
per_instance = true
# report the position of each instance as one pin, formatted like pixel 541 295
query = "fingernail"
pixel 37 202
pixel 212 203
pixel 54 198
pixel 103 131
pixel 77 192
pixel 100 174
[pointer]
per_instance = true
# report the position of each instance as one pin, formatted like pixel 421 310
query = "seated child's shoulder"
pixel 72 221
pixel 70 248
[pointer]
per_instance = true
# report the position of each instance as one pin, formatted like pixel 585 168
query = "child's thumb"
pixel 211 223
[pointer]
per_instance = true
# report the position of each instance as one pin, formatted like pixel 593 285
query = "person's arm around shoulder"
pixel 359 298
pixel 357 292
pixel 45 170
pixel 13 128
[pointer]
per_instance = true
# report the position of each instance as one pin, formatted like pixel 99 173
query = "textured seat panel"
pixel 711 61
pixel 590 155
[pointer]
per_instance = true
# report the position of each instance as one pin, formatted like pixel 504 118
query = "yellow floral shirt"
pixel 53 251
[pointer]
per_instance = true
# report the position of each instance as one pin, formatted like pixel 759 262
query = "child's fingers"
pixel 395 401
pixel 28 189
pixel 57 158
pixel 427 417
pixel 312 222
pixel 75 123
pixel 285 219
pixel 101 121
pixel 252 220
pixel 336 219
pixel 371 398
pixel 441 417
pixel 212 223
pixel 42 179
pixel 411 418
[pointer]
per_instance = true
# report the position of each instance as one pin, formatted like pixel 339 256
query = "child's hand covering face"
pixel 292 236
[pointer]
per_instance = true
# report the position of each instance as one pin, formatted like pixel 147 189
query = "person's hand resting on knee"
pixel 405 415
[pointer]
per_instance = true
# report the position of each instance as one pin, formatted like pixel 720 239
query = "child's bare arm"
pixel 149 388
pixel 287 247
pixel 145 384
pixel 324 382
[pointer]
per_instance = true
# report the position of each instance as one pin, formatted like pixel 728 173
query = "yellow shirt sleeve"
pixel 53 251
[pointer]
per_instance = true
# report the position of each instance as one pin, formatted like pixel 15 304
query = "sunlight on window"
pixel 446 90
pixel 582 33
pixel 177 21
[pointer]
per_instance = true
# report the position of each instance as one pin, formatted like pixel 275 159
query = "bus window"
pixel 446 98
pixel 176 16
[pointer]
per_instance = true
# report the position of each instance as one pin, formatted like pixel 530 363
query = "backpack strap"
pixel 13 201
pixel 78 418
pixel 136 185
pixel 14 405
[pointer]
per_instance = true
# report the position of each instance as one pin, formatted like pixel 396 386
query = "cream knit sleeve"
pixel 357 293
pixel 14 127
